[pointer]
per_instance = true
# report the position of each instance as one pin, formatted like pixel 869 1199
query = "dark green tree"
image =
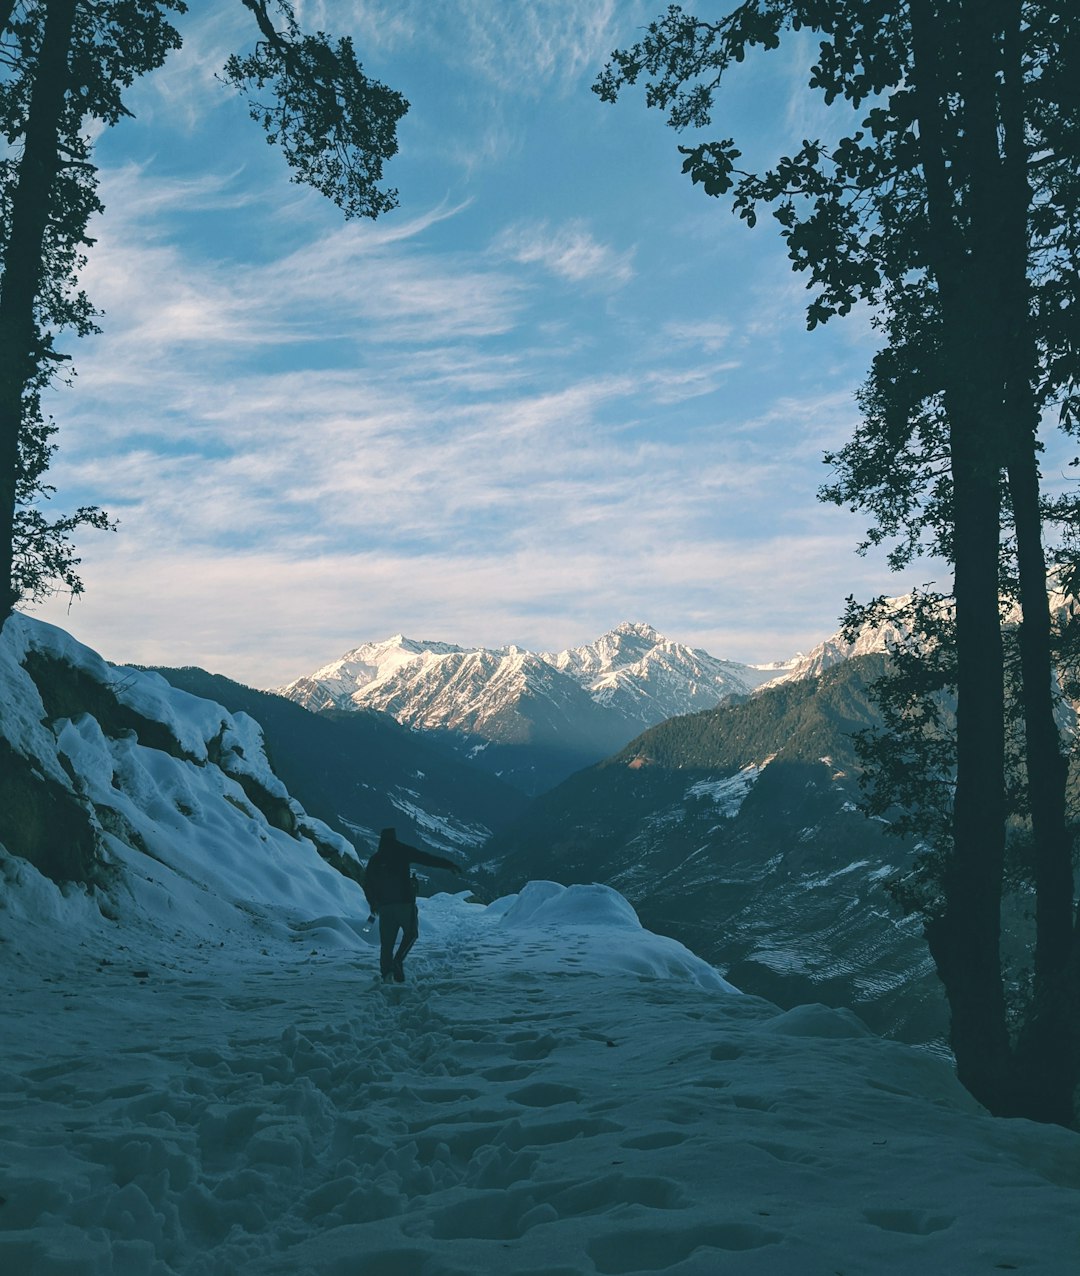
pixel 63 65
pixel 950 209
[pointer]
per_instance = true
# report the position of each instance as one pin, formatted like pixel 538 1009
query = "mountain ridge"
pixel 531 717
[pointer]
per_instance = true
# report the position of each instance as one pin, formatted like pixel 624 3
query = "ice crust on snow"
pixel 202 1075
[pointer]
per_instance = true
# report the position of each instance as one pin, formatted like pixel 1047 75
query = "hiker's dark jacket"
pixel 388 880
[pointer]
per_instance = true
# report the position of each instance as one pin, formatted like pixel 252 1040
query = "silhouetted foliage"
pixel 950 209
pixel 65 65
pixel 335 126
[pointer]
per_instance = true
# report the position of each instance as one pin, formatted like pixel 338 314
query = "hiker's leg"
pixel 409 934
pixel 389 925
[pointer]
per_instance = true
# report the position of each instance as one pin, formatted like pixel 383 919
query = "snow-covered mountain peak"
pixel 871 640
pixel 335 685
pixel 583 702
pixel 626 644
pixel 639 630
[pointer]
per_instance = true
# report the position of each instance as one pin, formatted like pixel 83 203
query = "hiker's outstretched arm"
pixel 432 861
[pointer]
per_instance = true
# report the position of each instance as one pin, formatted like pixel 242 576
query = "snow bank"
pixel 185 811
pixel 549 904
pixel 595 928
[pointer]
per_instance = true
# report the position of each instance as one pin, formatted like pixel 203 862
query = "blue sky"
pixel 556 389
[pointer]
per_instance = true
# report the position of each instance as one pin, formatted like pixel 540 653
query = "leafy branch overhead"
pixel 66 64
pixel 828 200
pixel 335 126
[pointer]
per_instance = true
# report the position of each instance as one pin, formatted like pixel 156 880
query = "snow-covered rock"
pixel 167 795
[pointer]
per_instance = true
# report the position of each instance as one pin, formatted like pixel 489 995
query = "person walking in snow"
pixel 391 893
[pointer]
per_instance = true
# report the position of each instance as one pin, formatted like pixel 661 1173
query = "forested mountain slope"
pixel 736 831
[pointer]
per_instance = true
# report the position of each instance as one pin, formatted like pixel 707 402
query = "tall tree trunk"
pixel 1048 1064
pixel 965 939
pixel 22 265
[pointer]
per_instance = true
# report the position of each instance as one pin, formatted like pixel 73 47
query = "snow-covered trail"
pixel 273 1109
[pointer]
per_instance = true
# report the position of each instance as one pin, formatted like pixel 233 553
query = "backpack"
pixel 377 882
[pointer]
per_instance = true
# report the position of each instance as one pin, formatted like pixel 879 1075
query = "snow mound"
pixel 594 928
pixel 548 903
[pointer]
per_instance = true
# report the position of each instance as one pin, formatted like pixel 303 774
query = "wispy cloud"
pixel 266 616
pixel 485 418
pixel 710 335
pixel 569 251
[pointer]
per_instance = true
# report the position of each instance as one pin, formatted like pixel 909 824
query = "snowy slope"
pixel 556 1091
pixel 201 1075
pixel 165 794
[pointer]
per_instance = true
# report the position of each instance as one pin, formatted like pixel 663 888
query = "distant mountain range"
pixel 720 798
pixel 531 717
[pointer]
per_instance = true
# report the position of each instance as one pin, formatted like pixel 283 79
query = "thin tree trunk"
pixel 965 938
pixel 22 265
pixel 1049 1054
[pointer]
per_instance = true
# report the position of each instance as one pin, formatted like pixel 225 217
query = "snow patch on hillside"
pixel 729 793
